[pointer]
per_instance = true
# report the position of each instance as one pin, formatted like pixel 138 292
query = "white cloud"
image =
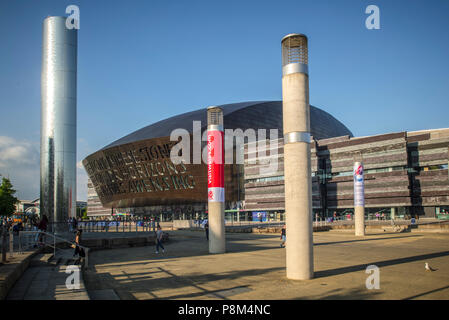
pixel 6 141
pixel 19 161
pixel 79 165
pixel 17 153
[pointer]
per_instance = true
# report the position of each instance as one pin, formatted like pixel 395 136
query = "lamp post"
pixel 297 168
pixel 359 199
pixel 215 180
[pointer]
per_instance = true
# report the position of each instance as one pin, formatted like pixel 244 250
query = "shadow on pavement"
pixel 343 294
pixel 426 293
pixel 360 267
pixel 160 278
pixel 362 240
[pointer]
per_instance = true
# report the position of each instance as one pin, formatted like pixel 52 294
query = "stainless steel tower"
pixel 58 122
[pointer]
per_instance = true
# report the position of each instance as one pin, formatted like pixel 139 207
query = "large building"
pixel 136 171
pixel 406 173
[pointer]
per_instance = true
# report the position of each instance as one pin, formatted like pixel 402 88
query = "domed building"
pixel 136 171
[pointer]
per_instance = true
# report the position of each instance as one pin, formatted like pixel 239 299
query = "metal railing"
pixel 33 239
pixel 105 226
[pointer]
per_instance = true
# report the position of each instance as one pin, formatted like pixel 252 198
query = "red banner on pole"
pixel 215 165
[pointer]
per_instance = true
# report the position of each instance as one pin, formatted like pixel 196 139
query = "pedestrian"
pixel 42 228
pixel 206 228
pixel 159 235
pixel 74 224
pixel 283 236
pixel 78 251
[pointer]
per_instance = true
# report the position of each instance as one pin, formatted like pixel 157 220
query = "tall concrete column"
pixel 215 180
pixel 359 199
pixel 297 170
pixel 58 122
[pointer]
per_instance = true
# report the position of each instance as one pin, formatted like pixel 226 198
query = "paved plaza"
pixel 254 268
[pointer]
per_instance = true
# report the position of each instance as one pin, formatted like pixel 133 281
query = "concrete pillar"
pixel 297 168
pixel 215 180
pixel 359 199
pixel 393 213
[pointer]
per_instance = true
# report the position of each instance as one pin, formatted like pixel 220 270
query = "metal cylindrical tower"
pixel 58 122
pixel 215 180
pixel 297 168
pixel 359 199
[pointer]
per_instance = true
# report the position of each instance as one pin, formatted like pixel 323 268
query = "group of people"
pixel 7 223
pixel 18 224
pixel 380 216
pixel 73 224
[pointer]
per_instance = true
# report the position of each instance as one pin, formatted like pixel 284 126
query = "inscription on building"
pixel 138 170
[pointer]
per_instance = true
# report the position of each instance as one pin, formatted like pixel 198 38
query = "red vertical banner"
pixel 215 166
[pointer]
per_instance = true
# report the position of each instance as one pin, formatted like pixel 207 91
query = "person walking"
pixel 78 251
pixel 159 235
pixel 206 228
pixel 74 224
pixel 283 236
pixel 43 228
pixel 153 224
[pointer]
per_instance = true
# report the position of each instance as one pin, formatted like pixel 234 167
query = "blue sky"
pixel 143 61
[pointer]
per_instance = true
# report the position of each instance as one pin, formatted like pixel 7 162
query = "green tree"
pixel 7 199
pixel 84 214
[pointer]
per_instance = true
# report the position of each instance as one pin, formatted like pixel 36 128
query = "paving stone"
pixel 254 268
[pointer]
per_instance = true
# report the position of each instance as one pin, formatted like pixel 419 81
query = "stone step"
pixel 46 280
pixel 41 259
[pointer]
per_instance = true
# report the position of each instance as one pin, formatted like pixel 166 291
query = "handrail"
pixel 86 249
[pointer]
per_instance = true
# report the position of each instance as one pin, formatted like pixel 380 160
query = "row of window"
pixel 350 173
pixel 265 179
